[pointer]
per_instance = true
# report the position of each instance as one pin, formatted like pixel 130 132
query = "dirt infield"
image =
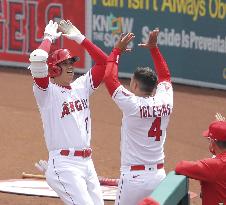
pixel 22 142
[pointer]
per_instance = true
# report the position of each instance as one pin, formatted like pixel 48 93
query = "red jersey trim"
pixel 91 80
pixel 116 91
pixel 63 86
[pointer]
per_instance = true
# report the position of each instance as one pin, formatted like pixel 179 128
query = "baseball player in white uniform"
pixel 145 119
pixel 64 108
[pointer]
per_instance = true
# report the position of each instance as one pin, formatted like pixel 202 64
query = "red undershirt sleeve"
pixel 43 82
pixel 100 59
pixel 95 52
pixel 97 72
pixel 161 67
pixel 45 45
pixel 111 74
pixel 199 170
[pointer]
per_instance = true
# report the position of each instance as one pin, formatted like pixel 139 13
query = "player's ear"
pixel 136 85
pixel 212 146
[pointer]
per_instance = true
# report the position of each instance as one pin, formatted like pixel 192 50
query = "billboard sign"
pixel 192 36
pixel 22 23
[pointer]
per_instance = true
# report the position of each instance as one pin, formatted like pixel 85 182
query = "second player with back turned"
pixel 145 119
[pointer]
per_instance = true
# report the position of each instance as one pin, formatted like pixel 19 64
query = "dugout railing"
pixel 173 190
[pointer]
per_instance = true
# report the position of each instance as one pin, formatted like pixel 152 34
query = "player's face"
pixel 67 73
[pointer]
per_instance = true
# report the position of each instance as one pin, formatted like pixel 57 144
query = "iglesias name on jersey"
pixel 144 124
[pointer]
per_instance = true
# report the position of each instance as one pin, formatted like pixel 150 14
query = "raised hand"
pixel 124 41
pixel 70 31
pixel 51 31
pixel 219 117
pixel 152 41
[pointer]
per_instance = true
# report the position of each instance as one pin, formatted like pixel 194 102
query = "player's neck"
pixel 142 94
pixel 61 83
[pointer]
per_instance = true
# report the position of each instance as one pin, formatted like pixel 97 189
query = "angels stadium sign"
pixel 22 23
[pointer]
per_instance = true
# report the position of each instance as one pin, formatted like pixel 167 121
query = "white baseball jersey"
pixel 144 124
pixel 65 113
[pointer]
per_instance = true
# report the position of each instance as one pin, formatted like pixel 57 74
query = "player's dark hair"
pixel 146 77
pixel 221 144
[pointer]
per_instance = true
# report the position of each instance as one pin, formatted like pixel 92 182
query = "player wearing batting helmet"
pixel 145 119
pixel 56 57
pixel 211 172
pixel 64 107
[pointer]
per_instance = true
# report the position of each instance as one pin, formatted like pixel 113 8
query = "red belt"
pixel 80 153
pixel 142 167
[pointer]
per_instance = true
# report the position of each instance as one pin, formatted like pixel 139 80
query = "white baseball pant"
pixel 74 179
pixel 135 185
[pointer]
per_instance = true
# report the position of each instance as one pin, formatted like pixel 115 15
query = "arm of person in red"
pixel 38 57
pixel 161 67
pixel 203 170
pixel 100 59
pixel 111 74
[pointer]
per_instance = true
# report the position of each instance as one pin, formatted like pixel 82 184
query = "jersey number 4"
pixel 155 130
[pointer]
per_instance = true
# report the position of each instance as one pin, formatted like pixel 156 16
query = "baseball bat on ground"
pixel 108 181
pixel 103 180
pixel 32 176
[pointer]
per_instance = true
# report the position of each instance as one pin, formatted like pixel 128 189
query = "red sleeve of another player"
pixel 111 74
pixel 200 170
pixel 43 82
pixel 161 67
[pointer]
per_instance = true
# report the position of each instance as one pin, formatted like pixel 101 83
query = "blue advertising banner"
pixel 192 36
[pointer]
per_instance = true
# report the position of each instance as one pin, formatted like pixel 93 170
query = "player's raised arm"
pixel 99 57
pixel 111 73
pixel 161 67
pixel 38 57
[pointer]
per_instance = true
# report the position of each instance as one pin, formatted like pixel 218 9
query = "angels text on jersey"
pixel 72 106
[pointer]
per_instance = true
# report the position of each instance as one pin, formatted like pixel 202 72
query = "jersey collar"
pixel 62 86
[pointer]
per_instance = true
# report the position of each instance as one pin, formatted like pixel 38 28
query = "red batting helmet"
pixel 57 57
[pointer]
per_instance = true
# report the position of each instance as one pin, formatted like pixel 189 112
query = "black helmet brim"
pixel 75 58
